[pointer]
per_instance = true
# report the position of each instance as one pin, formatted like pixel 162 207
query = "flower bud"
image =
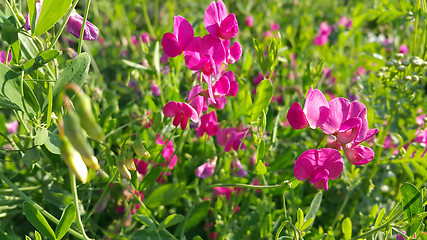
pixel 405 62
pixel 139 148
pixel 401 68
pixel 389 63
pixel 123 170
pixel 129 161
pixel 399 55
pixel 73 159
pixel 74 26
pixel 74 133
pixel 84 110
pixel 415 78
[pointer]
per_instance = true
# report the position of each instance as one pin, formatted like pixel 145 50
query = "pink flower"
pixel 12 127
pixel 180 111
pixel 206 170
pixel 403 49
pixel 235 141
pixel 225 191
pixel 249 20
pixel 209 124
pixel 274 26
pixel 219 103
pixel 3 57
pixel 155 90
pixel 28 20
pixel 314 114
pixel 204 53
pixel 345 22
pixel 237 169
pixel 233 53
pixel 323 35
pixel 329 79
pixel 74 26
pixel 183 33
pixel 218 23
pixel 196 101
pixel 267 34
pixel 319 165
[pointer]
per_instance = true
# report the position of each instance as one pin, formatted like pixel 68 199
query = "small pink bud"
pixel 74 26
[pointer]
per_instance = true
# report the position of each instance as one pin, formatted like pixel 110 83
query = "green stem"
pixel 417 13
pixel 321 140
pixel 64 23
pixel 76 202
pixel 18 192
pixel 79 49
pixel 104 191
pixel 147 19
pixel 241 185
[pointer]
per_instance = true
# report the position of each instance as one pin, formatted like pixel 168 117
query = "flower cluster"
pixel 345 122
pixel 209 56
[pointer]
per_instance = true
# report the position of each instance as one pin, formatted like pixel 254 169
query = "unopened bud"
pixel 399 55
pixel 84 109
pixel 401 68
pixel 389 63
pixel 74 133
pixel 380 74
pixel 129 161
pixel 123 170
pixel 139 148
pixel 73 159
pixel 405 62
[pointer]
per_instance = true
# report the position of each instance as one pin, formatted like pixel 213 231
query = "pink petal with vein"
pixel 316 108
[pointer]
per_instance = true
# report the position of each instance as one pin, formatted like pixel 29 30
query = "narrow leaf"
pixel 38 220
pixel 65 221
pixel 346 228
pixel 145 220
pixel 263 97
pixel 171 220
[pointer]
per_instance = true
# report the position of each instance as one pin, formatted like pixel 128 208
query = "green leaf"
pixel 146 221
pixel 260 166
pixel 41 137
pixel 146 234
pixel 314 208
pixel 263 98
pixel 199 212
pixel 171 220
pixel 5 103
pixel 37 235
pixel 346 228
pixel 150 178
pixel 380 217
pixel 51 12
pixel 32 12
pixel 165 194
pixel 413 204
pixel 10 87
pixel 197 238
pixel 53 143
pixel 75 72
pixel 156 58
pixel 38 221
pixel 300 219
pixel 31 156
pixel 66 220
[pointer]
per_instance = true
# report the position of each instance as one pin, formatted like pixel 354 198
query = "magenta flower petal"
pixel 296 117
pixel 208 124
pixel 316 108
pixel 206 170
pixel 12 127
pixel 235 53
pixel 222 86
pixel 214 48
pixel 222 136
pixel 183 30
pixel 214 14
pixel 3 57
pixel 349 130
pixel 171 109
pixel 170 45
pixel 359 155
pixel 338 111
pixel 229 27
pixel 219 104
pixel 319 165
pixel 190 112
pixel 358 109
pixel 74 26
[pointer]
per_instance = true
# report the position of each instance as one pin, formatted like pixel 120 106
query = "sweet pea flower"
pixel 206 170
pixel 274 26
pixel 319 165
pixel 181 112
pixel 403 49
pixel 74 26
pixel 345 22
pixel 3 57
pixel 218 22
pixel 27 25
pixel 12 127
pixel 196 101
pixel 249 20
pixel 237 168
pixel 323 35
pixel 155 90
pixel 233 53
pixel 235 141
pixel 209 124
pixel 204 53
pixel 183 33
pixel 219 103
pixel 314 114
